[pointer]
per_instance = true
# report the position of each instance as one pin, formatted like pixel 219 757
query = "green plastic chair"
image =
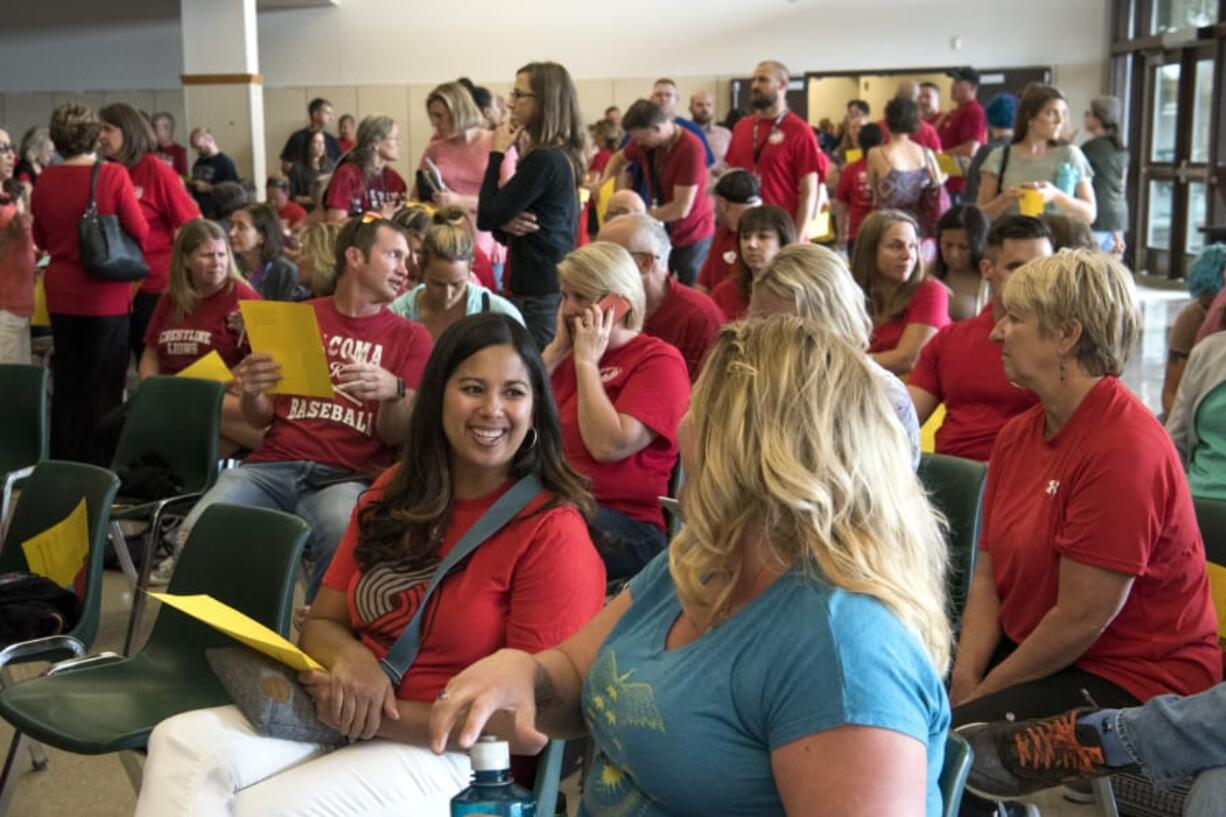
pixel 244 557
pixel 24 426
pixel 958 759
pixel 1211 516
pixel 549 778
pixel 955 487
pixel 180 419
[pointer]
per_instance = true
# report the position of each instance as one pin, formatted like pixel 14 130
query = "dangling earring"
pixel 532 444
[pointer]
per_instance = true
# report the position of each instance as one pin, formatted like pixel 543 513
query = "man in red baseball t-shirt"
pixel 779 147
pixel 674 166
pixel 319 454
pixel 676 314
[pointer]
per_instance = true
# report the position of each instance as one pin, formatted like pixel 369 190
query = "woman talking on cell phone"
pixel 621 395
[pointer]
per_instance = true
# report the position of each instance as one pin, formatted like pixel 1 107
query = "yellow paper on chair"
pixel 41 316
pixel 241 627
pixel 209 367
pixel 949 165
pixel 59 552
pixel 289 334
pixel 1217 589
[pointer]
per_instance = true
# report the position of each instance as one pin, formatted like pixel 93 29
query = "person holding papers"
pixel 197 315
pixel 483 429
pixel 319 454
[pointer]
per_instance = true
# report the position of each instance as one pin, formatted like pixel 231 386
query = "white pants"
pixel 14 338
pixel 210 762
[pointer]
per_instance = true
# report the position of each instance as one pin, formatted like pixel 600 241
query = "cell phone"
pixel 617 303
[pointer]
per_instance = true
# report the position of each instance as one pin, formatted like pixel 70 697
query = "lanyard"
pixel 758 147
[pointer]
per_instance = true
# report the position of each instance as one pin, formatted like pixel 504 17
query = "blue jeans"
pixel 685 262
pixel 292 487
pixel 1172 737
pixel 625 544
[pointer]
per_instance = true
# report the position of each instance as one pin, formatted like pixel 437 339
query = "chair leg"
pixel 141 582
pixel 6 498
pixel 6 775
pixel 133 767
pixel 1104 797
pixel 121 552
pixel 38 756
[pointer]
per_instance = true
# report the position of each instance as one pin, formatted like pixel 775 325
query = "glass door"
pixel 1174 158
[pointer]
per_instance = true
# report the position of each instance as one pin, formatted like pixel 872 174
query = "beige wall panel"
pixel 22 111
pixel 723 97
pixel 284 113
pixel 344 99
pixel 141 100
pixel 626 91
pixel 688 86
pixel 594 96
pixel 828 97
pixel 417 127
pixel 226 110
pixel 1080 83
pixel 94 99
pixel 392 100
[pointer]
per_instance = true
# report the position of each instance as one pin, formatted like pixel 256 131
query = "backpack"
pixel 34 607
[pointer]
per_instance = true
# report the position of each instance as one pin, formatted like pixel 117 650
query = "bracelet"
pixel 400 387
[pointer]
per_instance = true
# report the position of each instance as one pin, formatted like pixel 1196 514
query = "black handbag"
pixel 107 252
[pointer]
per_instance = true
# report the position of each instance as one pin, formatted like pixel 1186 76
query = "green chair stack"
pixel 955 487
pixel 958 760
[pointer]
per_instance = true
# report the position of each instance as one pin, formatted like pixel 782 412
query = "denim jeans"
pixel 625 544
pixel 540 315
pixel 1172 737
pixel 290 487
pixel 685 262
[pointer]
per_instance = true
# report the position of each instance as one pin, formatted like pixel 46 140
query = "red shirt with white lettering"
pixel 647 380
pixel 723 259
pixel 167 206
pixel 929 305
pixel 530 586
pixel 349 189
pixel 961 367
pixel 855 191
pixel 781 153
pixel 1107 491
pixel 730 298
pixel 682 164
pixel 689 321
pixel 965 123
pixel 340 431
pixel 181 341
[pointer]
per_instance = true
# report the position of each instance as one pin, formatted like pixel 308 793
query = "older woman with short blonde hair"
pixel 1090 586
pixel 795 631
pixel 621 394
pixel 812 282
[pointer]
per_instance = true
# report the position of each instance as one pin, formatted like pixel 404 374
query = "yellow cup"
pixel 1030 203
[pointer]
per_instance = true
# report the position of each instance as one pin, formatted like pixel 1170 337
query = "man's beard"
pixel 759 101
pixel 703 118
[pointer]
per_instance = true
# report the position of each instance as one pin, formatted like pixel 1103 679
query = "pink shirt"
pixel 462 166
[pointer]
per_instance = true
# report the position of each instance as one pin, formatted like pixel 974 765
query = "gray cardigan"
pixel 1206 370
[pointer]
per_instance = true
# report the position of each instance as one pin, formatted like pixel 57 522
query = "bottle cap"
pixel 489 754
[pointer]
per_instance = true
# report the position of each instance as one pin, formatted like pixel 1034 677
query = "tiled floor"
pixel 98 787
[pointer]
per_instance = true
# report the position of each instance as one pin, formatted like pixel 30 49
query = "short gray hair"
pixel 651 232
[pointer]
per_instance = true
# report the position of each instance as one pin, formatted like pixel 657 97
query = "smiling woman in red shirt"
pixel 89 317
pixel 128 139
pixel 621 395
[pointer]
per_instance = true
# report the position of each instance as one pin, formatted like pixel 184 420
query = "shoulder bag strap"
pixel 400 657
pixel 92 206
pixel 1004 165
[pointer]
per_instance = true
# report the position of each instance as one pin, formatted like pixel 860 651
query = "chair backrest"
pixel 24 423
pixel 955 487
pixel 50 494
pixel 1211 516
pixel 179 418
pixel 549 778
pixel 958 759
pixel 243 557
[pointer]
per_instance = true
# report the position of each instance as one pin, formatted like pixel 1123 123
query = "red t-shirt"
pixel 530 586
pixel 1108 491
pixel 689 320
pixel 349 190
pixel 167 206
pixel 599 160
pixel 926 135
pixel 728 297
pixel 929 305
pixel 340 432
pixel 175 157
pixel 16 265
pixel 483 268
pixel 786 152
pixel 684 164
pixel 723 259
pixel 965 123
pixel 647 380
pixel 961 367
pixel 345 145
pixel 180 342
pixel 57 203
pixel 855 191
pixel 292 213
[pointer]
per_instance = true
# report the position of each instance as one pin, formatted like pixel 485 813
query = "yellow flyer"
pixel 59 552
pixel 209 367
pixel 950 165
pixel 289 334
pixel 225 618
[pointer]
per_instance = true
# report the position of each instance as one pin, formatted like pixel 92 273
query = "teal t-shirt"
pixel 1207 466
pixel 406 305
pixel 690 731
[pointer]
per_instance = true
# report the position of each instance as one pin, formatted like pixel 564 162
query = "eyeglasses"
pixel 517 94
pixel 7 147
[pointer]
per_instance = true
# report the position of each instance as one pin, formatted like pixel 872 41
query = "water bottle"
pixel 1067 178
pixel 493 792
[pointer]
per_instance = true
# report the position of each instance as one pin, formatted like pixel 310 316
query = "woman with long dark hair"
pixel 536 212
pixel 961 235
pixel 364 180
pixel 762 232
pixel 259 250
pixel 484 418
pixel 127 138
pixel 311 165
